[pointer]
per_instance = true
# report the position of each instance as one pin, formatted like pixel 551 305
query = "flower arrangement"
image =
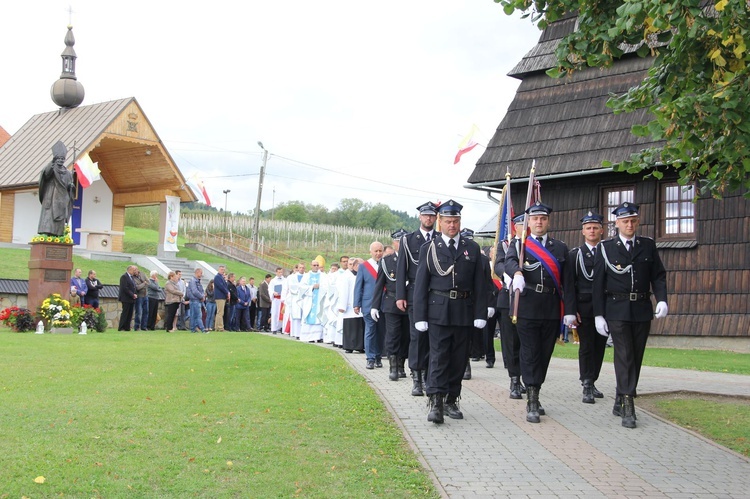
pixel 18 319
pixel 56 311
pixel 64 239
pixel 90 315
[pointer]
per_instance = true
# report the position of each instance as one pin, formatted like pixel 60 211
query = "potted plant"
pixel 56 312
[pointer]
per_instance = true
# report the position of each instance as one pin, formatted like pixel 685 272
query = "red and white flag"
pixel 199 188
pixel 87 171
pixel 467 144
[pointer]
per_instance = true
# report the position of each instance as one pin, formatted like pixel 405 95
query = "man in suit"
pixel 579 273
pixel 511 343
pixel 627 270
pixel 264 304
pixel 221 295
pixel 406 273
pixel 449 300
pixel 364 290
pixel 396 320
pixel 539 278
pixel 127 297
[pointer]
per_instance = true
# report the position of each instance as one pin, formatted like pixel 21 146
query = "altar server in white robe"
pixel 330 307
pixel 275 287
pixel 293 301
pixel 312 290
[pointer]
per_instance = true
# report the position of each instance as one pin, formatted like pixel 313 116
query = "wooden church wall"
pixel 708 285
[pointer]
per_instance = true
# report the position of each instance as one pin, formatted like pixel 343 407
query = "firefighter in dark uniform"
pixel 396 320
pixel 449 300
pixel 509 341
pixel 627 270
pixel 539 278
pixel 406 273
pixel 477 346
pixel 580 274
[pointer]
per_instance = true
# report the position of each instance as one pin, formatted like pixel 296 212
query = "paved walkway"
pixel 578 450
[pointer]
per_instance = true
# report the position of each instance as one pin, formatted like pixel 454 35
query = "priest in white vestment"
pixel 312 288
pixel 293 301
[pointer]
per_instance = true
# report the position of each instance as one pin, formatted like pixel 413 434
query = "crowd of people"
pixel 433 298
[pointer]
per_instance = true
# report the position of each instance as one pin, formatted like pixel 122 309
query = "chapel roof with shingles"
pixel 563 123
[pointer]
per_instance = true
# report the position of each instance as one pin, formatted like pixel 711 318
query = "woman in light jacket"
pixel 172 301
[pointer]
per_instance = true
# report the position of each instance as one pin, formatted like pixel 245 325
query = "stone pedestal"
pixel 50 269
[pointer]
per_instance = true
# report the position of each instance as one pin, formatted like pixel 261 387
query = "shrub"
pixel 86 313
pixel 18 319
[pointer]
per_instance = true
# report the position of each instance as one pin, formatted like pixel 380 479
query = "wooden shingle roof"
pixel 563 123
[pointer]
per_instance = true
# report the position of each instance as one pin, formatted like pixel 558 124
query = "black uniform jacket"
pixel 491 288
pixel 384 297
pixel 533 305
pixel 581 301
pixel 503 298
pixel 467 280
pixel 621 295
pixel 406 271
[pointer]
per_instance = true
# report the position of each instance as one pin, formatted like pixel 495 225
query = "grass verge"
pixel 719 361
pixel 181 415
pixel 725 420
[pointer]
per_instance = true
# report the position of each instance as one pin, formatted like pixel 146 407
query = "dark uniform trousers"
pixel 488 337
pixel 629 341
pixel 539 315
pixel 592 344
pixel 451 320
pixel 509 341
pixel 394 322
pixel 624 299
pixel 406 273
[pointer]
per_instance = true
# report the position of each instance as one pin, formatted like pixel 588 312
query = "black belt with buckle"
pixel 453 294
pixel 540 288
pixel 630 296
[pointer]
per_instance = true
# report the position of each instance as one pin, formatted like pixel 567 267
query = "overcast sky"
pixel 352 99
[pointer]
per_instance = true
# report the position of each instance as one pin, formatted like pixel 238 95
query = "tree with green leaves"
pixel 697 90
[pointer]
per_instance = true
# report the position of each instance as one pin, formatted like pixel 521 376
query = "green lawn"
pixel 699 360
pixel 181 415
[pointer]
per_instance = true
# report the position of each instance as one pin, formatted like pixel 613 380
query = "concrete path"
pixel 578 450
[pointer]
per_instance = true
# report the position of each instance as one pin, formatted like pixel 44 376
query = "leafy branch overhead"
pixel 697 90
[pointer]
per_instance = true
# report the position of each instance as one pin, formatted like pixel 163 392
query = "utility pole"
pixel 226 196
pixel 256 223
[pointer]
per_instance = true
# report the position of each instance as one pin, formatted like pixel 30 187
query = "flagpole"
pixel 522 238
pixel 504 198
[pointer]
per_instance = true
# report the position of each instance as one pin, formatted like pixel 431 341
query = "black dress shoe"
pixel 490 364
pixel 378 363
pixel 370 364
pixel 597 393
pixel 348 351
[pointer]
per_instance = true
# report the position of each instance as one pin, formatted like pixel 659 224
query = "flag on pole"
pixel 467 144
pixel 87 171
pixel 199 188
pixel 507 229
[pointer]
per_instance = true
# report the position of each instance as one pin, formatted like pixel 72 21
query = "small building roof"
pixel 116 134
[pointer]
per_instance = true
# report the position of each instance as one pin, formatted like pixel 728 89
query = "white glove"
pixel 661 310
pixel 569 320
pixel 518 283
pixel 421 326
pixel 480 323
pixel 601 325
pixel 374 314
pixel 507 281
pixel 490 312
